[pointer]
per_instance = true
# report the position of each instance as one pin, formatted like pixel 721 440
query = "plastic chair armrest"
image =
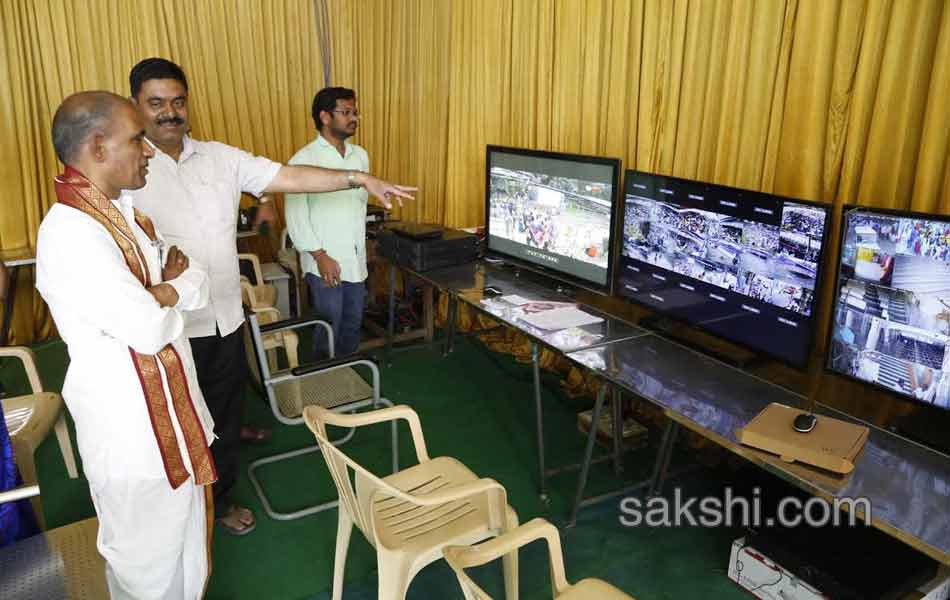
pixel 312 414
pixel 464 557
pixel 25 356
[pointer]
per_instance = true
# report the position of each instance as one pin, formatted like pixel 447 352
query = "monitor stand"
pixel 555 285
pixel 669 328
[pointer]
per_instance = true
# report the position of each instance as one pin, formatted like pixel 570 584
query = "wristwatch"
pixel 351 179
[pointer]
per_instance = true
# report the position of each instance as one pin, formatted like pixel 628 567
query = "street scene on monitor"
pixel 773 264
pixel 892 314
pixel 559 215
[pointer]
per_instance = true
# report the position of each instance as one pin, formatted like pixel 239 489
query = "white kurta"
pixel 147 530
pixel 194 201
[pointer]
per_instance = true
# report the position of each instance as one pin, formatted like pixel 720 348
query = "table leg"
pixel 663 457
pixel 428 312
pixel 536 371
pixel 450 324
pixel 588 453
pixel 617 420
pixel 391 323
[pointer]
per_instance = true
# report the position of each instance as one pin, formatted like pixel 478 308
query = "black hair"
pixel 78 117
pixel 154 68
pixel 325 100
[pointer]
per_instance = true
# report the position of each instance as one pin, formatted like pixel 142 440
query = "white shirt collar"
pixel 188 148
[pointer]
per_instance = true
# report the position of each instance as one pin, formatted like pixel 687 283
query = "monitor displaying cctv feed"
pixel 891 319
pixel 742 265
pixel 553 212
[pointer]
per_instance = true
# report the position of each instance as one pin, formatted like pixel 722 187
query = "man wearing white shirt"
pixel 329 229
pixel 142 425
pixel 192 194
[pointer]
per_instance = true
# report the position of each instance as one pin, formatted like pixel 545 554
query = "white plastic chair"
pixel 410 516
pixel 261 293
pixel 461 558
pixel 29 419
pixel 266 314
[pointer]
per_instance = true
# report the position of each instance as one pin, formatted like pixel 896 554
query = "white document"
pixel 561 318
pixel 515 300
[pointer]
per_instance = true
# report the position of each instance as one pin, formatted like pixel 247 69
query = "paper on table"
pixel 515 299
pixel 561 318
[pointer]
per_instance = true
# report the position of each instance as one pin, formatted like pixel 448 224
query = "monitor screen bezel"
pixel 615 163
pixel 893 212
pixel 814 329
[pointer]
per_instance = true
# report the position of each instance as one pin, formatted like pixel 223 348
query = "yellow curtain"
pixel 840 102
pixel 253 67
pixel 835 101
pixel 832 101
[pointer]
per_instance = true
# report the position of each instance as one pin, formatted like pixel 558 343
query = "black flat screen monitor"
pixel 891 319
pixel 553 212
pixel 743 265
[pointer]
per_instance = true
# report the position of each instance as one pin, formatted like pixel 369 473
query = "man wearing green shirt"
pixel 329 229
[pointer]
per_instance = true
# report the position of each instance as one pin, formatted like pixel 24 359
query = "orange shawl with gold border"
pixel 74 190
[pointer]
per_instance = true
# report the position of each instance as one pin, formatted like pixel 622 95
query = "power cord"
pixel 740 566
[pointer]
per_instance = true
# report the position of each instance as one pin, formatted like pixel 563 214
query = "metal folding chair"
pixel 333 384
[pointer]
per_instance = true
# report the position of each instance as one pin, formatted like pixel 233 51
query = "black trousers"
pixel 222 372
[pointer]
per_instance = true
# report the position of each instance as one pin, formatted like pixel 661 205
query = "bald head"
pixel 80 117
pixel 102 136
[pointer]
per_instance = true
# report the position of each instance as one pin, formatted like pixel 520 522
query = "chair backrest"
pixel 255 266
pixel 358 502
pixel 248 297
pixel 251 297
pixel 463 557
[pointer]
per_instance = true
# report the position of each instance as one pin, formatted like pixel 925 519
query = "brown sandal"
pixel 233 522
pixel 255 435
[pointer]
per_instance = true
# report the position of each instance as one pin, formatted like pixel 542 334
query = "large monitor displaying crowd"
pixel 554 212
pixel 892 306
pixel 742 264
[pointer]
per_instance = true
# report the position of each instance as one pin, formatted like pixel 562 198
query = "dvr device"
pixel 453 247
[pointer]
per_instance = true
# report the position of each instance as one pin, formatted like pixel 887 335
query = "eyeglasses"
pixel 347 112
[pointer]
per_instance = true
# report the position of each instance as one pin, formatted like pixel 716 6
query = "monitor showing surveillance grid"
pixel 740 264
pixel 891 319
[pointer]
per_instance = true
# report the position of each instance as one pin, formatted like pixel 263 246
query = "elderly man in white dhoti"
pixel 117 295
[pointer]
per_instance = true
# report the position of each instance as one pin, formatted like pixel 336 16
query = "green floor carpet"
pixel 474 405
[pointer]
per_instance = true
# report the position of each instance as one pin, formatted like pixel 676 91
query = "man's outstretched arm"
pixel 303 179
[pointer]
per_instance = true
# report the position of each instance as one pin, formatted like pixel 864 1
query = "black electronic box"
pixel 452 247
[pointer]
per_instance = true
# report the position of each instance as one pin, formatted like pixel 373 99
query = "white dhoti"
pixel 153 538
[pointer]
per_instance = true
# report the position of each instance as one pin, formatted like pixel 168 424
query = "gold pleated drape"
pixel 842 101
pixel 253 67
pixel 833 101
